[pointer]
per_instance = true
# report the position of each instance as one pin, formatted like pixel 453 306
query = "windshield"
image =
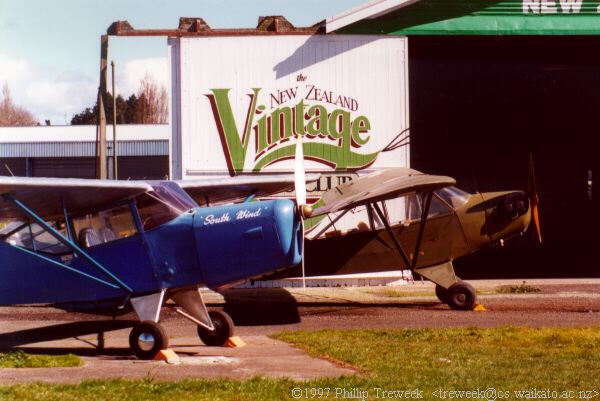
pixel 164 204
pixel 453 196
pixel 173 196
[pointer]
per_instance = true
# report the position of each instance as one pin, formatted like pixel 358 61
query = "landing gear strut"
pixel 147 338
pixel 223 329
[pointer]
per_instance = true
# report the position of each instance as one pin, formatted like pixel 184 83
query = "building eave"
pixel 371 9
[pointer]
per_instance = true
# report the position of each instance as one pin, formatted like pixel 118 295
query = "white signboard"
pixel 239 104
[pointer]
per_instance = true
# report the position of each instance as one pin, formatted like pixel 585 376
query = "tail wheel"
pixel 462 296
pixel 223 329
pixel 442 294
pixel 147 338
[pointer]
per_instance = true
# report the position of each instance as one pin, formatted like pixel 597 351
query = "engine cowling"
pixel 242 241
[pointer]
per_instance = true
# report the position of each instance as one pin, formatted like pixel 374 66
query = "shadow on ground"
pixel 10 341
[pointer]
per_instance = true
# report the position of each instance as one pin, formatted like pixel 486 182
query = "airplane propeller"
pixel 304 210
pixel 534 199
pixel 300 181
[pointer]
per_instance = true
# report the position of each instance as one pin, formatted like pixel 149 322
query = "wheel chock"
pixel 234 342
pixel 167 355
pixel 479 308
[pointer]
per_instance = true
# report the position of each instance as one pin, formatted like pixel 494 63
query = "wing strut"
pixel 392 234
pixel 68 243
pixel 424 213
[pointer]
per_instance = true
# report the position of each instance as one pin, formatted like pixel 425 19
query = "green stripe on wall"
pixel 481 17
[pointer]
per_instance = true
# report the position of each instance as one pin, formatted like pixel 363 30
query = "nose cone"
pixel 512 205
pixel 289 231
pixel 493 216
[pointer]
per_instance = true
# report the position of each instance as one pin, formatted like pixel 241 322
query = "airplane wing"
pixel 218 190
pixel 377 186
pixel 46 196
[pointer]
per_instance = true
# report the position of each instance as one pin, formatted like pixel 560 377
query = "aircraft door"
pixel 111 237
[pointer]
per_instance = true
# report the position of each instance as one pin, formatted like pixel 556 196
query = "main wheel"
pixel 462 296
pixel 223 329
pixel 147 338
pixel 442 294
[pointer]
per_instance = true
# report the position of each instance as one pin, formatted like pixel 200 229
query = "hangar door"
pixel 481 104
pixel 63 167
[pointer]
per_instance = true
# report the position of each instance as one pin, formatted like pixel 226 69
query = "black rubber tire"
pixel 442 294
pixel 223 329
pixel 462 296
pixel 158 333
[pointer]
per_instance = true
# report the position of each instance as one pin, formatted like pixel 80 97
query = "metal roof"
pixel 82 149
pixel 371 9
pixel 79 141
pixel 469 17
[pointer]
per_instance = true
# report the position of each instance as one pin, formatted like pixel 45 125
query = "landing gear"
pixel 462 296
pixel 223 329
pixel 442 294
pixel 147 338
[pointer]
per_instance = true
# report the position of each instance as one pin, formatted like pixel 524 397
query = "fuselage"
pixel 211 246
pixel 457 226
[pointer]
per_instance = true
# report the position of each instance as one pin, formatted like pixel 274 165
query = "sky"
pixel 50 49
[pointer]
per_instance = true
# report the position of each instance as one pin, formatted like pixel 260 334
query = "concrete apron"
pixel 262 356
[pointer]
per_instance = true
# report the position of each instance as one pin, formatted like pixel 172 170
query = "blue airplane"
pixel 124 244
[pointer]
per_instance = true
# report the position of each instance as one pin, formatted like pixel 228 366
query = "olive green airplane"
pixel 411 220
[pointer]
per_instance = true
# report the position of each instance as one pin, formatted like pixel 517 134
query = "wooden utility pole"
pixel 101 133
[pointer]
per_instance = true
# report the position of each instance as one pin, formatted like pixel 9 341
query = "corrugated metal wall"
pixel 143 167
pixel 130 167
pixel 82 149
pixel 69 151
pixel 74 167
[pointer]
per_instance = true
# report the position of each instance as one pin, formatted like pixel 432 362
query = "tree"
pixel 153 101
pixel 11 114
pixel 89 115
pixel 148 106
pixel 86 117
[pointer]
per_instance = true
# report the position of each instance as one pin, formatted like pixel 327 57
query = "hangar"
pixel 69 151
pixel 491 82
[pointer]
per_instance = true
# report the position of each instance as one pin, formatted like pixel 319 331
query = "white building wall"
pixel 369 70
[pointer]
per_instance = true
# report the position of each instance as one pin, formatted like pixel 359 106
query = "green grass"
pixel 518 289
pixel 20 359
pixel 453 359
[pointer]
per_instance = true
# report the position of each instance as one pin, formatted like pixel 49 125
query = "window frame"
pixel 73 235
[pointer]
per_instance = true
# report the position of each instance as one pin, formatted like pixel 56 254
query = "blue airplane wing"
pixel 48 197
pixel 219 190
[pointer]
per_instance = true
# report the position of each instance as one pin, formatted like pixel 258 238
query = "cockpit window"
pixel 414 205
pixel 34 237
pixel 104 226
pixel 453 196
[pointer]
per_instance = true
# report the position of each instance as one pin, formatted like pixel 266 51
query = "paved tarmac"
pixel 260 313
